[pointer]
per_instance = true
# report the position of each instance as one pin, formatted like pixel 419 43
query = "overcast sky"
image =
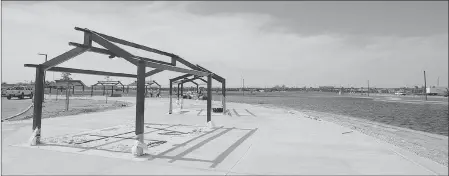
pixel 267 42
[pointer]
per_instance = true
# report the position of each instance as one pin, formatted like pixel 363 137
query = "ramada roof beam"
pixel 188 80
pixel 215 76
pixel 105 41
pixel 127 43
pixel 149 62
pixel 176 69
pixel 152 72
pixel 156 83
pixel 202 80
pixel 180 77
pixel 107 52
pixel 110 82
pixel 117 51
pixel 88 72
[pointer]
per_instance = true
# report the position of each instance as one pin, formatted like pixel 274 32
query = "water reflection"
pixel 428 117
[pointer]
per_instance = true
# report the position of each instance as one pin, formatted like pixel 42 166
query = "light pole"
pixel 43 92
pixel 425 85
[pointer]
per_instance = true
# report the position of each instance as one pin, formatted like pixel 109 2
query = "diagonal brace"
pixel 152 72
pixel 63 57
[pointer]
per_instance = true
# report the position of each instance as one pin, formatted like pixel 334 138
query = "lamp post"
pixel 43 92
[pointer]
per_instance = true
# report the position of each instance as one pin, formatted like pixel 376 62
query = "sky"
pixel 266 43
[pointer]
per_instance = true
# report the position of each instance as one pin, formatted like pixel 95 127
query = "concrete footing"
pixel 35 138
pixel 139 148
pixel 210 124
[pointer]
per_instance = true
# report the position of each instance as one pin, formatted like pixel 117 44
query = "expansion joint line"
pixel 238 161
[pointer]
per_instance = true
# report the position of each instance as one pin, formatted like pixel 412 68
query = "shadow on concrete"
pixel 116 138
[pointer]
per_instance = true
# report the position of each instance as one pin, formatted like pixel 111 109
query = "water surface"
pixel 407 112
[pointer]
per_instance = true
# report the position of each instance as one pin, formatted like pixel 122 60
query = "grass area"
pixel 56 108
pixel 14 106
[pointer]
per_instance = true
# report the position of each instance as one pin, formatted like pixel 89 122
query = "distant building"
pixel 5 86
pixel 63 84
pixel 326 88
pixel 383 91
pixel 436 90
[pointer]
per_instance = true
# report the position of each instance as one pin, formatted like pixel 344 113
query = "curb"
pixel 10 117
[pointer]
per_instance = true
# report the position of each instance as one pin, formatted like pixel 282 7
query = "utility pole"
pixel 438 82
pixel 243 87
pixel 368 88
pixel 425 85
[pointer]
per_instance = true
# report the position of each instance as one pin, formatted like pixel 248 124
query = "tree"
pixel 66 76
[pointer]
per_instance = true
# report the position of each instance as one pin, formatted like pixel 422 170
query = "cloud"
pixel 230 44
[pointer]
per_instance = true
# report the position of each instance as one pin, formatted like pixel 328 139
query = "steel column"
pixel 92 91
pixel 67 95
pixel 209 97
pixel 223 91
pixel 112 90
pixel 182 90
pixel 178 90
pixel 37 113
pixel 140 100
pixel 170 96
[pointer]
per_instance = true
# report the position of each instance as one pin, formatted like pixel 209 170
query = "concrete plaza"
pixel 250 140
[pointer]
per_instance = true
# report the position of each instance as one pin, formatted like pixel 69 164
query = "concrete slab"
pixel 284 143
